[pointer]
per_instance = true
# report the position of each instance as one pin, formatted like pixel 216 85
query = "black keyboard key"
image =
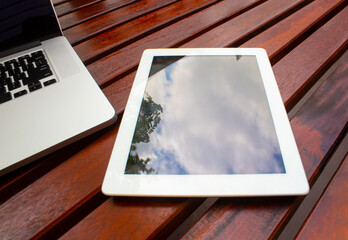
pixel 26 81
pixel 10 72
pixel 13 61
pixel 49 82
pixel 34 75
pixel 7 65
pixel 34 86
pixel 46 73
pixel 24 67
pixel 17 77
pixel 13 85
pixel 15 64
pixel 21 93
pixel 3 81
pixel 39 60
pixel 44 68
pixel 8 81
pixel 2 89
pixel 37 54
pixel 27 71
pixel 17 71
pixel 4 97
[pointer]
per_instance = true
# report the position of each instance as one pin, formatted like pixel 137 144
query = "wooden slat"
pixel 108 67
pixel 118 92
pixel 130 30
pixel 90 12
pixel 73 5
pixel 279 37
pixel 329 219
pixel 37 208
pixel 238 28
pixel 320 48
pixel 132 218
pixel 57 2
pixel 316 127
pixel 142 10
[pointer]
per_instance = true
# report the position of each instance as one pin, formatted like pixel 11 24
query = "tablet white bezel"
pixel 293 182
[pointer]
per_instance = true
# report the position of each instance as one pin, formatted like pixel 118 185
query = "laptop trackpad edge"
pixel 63 62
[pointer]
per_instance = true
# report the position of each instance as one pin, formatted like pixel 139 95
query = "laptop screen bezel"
pixel 22 42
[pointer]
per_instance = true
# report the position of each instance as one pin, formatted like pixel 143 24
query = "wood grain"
pixel 132 218
pixel 281 36
pixel 296 77
pixel 57 2
pixel 113 19
pixel 37 208
pixel 89 12
pixel 74 5
pixel 329 218
pixel 118 92
pixel 232 31
pixel 135 29
pixel 105 69
pixel 311 127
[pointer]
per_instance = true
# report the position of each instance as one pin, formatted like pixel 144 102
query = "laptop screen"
pixel 23 22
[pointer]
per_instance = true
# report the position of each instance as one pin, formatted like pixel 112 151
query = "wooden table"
pixel 59 195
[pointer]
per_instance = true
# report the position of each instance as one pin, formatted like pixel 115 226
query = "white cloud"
pixel 213 120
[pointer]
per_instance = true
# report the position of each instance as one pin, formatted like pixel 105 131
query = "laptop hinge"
pixel 19 48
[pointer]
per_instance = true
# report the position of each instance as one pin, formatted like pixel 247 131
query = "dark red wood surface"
pixel 166 37
pixel 59 195
pixel 329 218
pixel 73 6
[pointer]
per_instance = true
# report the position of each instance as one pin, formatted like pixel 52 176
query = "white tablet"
pixel 205 122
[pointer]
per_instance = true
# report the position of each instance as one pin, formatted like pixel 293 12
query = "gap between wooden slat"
pixel 308 32
pixel 94 15
pixel 315 87
pixel 135 44
pixel 218 24
pixel 63 9
pixel 320 185
pixel 57 2
pixel 271 23
pixel 35 170
pixel 147 32
pixel 73 216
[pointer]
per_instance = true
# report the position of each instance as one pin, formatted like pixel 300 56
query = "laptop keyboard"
pixel 23 75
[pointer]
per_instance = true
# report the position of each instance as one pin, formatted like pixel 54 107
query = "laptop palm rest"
pixel 62 60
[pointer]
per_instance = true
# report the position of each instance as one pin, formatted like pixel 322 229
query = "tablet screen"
pixel 204 115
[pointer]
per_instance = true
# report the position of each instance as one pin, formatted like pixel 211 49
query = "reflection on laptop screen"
pixel 26 21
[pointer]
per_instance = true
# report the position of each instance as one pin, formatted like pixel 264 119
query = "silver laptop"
pixel 48 99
